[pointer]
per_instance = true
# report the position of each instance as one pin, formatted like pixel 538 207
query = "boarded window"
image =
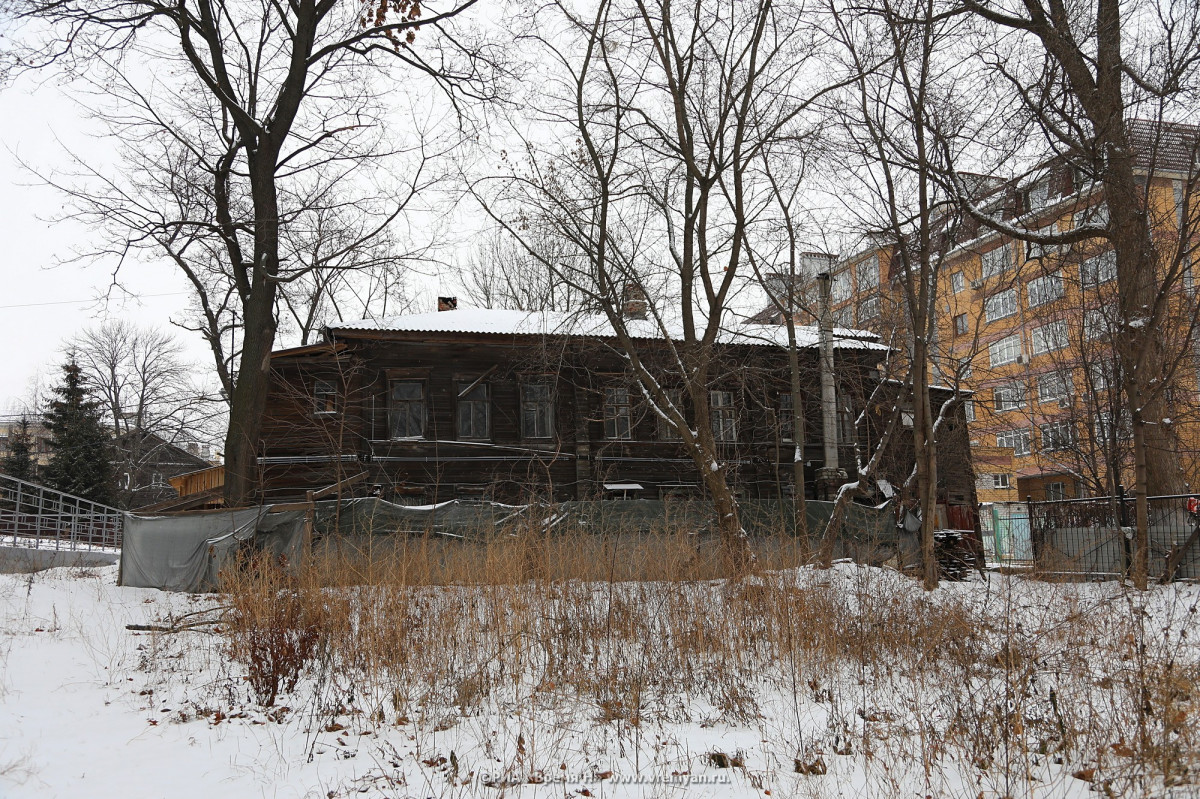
pixel 537 410
pixel 406 409
pixel 618 423
pixel 474 412
pixel 724 415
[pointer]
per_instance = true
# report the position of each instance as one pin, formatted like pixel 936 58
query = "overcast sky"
pixel 44 301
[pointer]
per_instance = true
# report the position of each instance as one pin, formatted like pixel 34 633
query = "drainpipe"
pixel 831 476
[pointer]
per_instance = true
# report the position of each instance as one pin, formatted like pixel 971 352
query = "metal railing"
pixel 1091 536
pixel 38 517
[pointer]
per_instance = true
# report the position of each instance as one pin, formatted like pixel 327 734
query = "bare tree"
pixel 237 120
pixel 1079 75
pixel 671 112
pixel 900 52
pixel 502 274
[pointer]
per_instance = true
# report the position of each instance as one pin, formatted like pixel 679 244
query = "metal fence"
pixel 1090 537
pixel 41 518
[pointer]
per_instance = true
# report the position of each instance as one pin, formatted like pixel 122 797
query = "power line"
pixel 84 302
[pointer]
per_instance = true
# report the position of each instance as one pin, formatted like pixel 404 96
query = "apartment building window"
pixel 1005 351
pixel 618 419
pixel 1000 305
pixel 1042 290
pixel 1094 324
pixel 1053 387
pixel 1036 250
pixel 1001 481
pixel 666 430
pixel 1009 397
pixel 537 410
pixel 960 324
pixel 867 273
pixel 1020 441
pixel 325 398
pixel 957 282
pixel 995 262
pixel 1102 374
pixel 1098 270
pixel 1057 435
pixel 840 289
pixel 1048 338
pixel 474 411
pixel 1056 491
pixel 406 409
pixel 1092 215
pixel 843 317
pixel 868 309
pixel 724 415
pixel 1111 427
pixel 1038 195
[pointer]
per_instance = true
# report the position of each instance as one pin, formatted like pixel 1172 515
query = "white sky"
pixel 44 301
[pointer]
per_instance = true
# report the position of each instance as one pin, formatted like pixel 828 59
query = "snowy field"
pixel 843 683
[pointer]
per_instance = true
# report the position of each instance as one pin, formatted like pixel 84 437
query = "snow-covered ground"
pixel 89 708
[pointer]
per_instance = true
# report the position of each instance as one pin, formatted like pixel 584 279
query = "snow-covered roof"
pixel 488 321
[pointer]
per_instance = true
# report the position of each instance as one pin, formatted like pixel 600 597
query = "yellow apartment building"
pixel 1028 330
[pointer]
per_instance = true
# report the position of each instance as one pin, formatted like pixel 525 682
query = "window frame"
pixel 1098 270
pixel 422 404
pixel 1022 436
pixel 1009 307
pixel 992 350
pixel 1008 397
pixel 1035 289
pixel 722 416
pixel 1001 485
pixel 1063 382
pixel 995 261
pixel 616 409
pixel 463 402
pixel 1061 338
pixel 327 389
pixel 1053 429
pixel 548 402
pixel 665 430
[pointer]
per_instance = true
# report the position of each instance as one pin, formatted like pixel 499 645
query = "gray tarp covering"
pixel 187 552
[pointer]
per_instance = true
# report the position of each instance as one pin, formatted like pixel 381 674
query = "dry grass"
pixel 1008 684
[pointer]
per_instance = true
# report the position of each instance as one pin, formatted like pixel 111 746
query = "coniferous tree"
pixel 18 462
pixel 81 462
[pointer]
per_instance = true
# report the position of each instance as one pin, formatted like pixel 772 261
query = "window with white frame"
pixel 618 416
pixel 537 410
pixel 406 409
pixel 1000 305
pixel 960 324
pixel 994 262
pixel 724 415
pixel 474 411
pixel 1036 250
pixel 1020 440
pixel 969 410
pixel 1057 435
pixel 1009 397
pixel 1038 194
pixel 1001 481
pixel 839 289
pixel 843 317
pixel 1102 374
pixel 1095 325
pixel 1056 491
pixel 1006 350
pixel 1098 269
pixel 325 398
pixel 1044 289
pixel 1093 215
pixel 1048 338
pixel 957 282
pixel 1112 427
pixel 1053 387
pixel 868 309
pixel 867 273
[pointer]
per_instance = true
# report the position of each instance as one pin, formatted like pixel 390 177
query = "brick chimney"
pixel 447 303
pixel 633 301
